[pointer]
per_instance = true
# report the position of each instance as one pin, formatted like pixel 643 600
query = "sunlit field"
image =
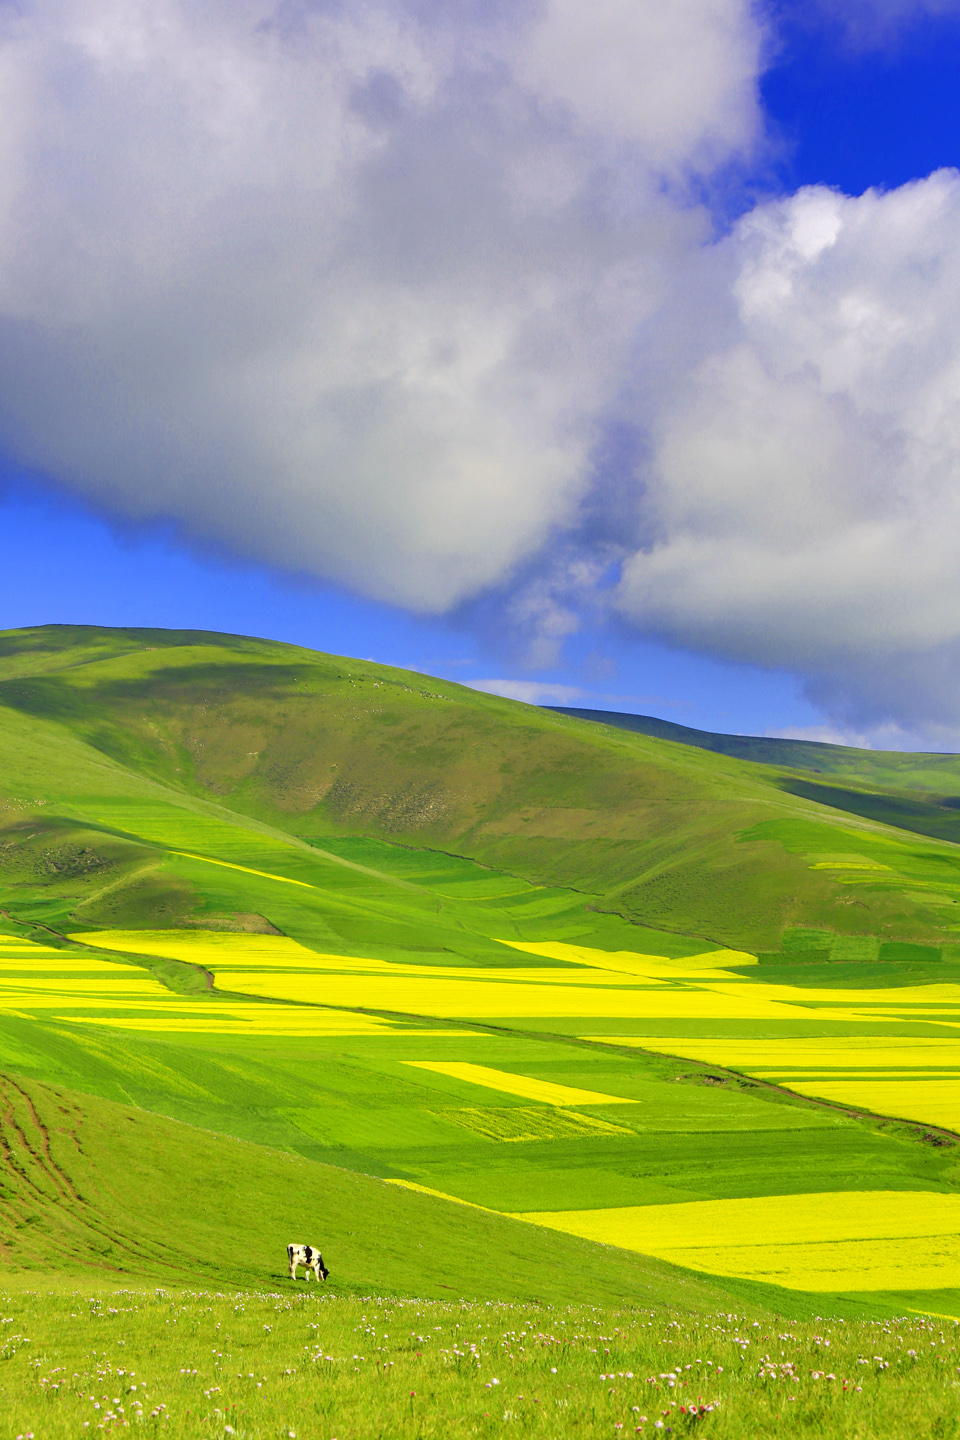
pixel 487 1004
pixel 423 1075
pixel 861 1241
pixel 917 1078
pixel 294 1364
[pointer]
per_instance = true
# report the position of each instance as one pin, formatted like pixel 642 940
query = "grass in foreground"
pixel 299 1364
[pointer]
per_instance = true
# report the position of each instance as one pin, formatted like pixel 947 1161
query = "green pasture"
pixel 96 1189
pixel 356 1102
pixel 278 1363
pixel 154 781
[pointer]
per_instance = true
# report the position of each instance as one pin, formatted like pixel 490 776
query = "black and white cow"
pixel 310 1258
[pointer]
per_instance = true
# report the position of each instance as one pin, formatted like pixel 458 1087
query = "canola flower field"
pixel 305 1366
pixel 850 1240
pixel 482 1084
pixel 252 990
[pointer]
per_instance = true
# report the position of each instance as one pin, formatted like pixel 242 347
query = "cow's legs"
pixel 293 1269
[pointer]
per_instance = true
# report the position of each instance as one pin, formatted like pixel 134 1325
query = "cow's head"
pixel 324 1271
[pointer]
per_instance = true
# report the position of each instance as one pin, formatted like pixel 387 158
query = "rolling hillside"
pixel 912 791
pixel 448 951
pixel 343 755
pixel 932 771
pixel 98 1176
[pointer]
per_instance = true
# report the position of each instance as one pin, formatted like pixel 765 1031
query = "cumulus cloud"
pixel 804 493
pixel 421 299
pixel 347 288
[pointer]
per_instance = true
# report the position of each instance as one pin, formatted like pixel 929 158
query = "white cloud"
pixel 417 298
pixel 804 497
pixel 531 692
pixel 888 736
pixel 677 79
pixel 346 288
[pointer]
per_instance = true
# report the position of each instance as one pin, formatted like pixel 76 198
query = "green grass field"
pixel 492 1003
pixel 215 1362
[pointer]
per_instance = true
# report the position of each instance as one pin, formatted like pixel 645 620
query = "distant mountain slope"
pixel 912 790
pixel 798 754
pixel 158 739
pixel 931 770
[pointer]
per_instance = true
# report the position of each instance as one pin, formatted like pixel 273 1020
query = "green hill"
pixel 96 1178
pixel 913 791
pixel 104 735
pixel 298 925
pixel 935 771
pixel 812 755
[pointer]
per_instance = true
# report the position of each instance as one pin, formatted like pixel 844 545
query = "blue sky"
pixel 65 564
pixel 871 104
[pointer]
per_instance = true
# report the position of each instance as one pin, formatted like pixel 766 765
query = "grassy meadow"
pixel 295 1364
pixel 495 1005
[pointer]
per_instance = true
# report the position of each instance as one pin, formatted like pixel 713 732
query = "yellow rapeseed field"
pixel 832 1241
pixel 875 1052
pixel 444 993
pixel 590 984
pixel 522 1085
pixel 890 998
pixel 229 951
pixel 59 963
pixel 789 1077
pixel 39 977
pixel 128 983
pixel 27 957
pixel 630 962
pixel 210 947
pixel 931 1101
pixel 604 984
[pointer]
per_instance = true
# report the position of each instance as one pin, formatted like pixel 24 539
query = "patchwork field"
pixel 601 989
pixel 485 1096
